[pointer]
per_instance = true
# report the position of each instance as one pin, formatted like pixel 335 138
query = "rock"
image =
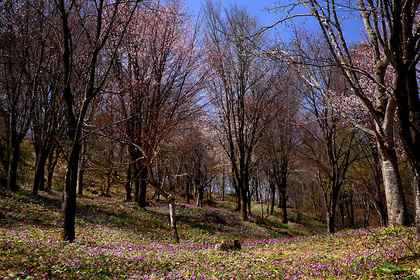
pixel 228 244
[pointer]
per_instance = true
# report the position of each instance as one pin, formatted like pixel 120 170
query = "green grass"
pixel 115 240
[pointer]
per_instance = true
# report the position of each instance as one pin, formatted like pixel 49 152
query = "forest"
pixel 135 112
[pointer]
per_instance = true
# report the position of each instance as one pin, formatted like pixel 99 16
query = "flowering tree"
pixel 158 82
pixel 380 108
pixel 84 32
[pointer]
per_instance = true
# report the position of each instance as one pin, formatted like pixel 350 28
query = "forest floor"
pixel 115 240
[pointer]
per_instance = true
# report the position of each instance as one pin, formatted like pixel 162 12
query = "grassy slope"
pixel 117 241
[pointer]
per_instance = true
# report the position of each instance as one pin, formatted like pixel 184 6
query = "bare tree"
pixel 243 87
pixel 328 142
pixel 23 60
pixel 366 178
pixel 48 114
pixel 279 147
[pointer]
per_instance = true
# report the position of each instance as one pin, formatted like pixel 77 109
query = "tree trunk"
pixel 141 201
pixel 80 174
pixel 136 190
pixel 350 210
pixel 330 221
pixel 223 186
pixel 238 195
pixel 13 165
pixel 128 184
pixel 200 194
pixel 330 203
pixel 52 162
pixel 342 212
pixel 366 212
pixel 172 217
pixel 416 185
pixel 396 204
pixel 249 202
pixel 284 218
pixel 187 191
pixel 136 180
pixel 382 213
pixel 81 170
pixel 244 202
pixel 68 208
pixel 272 197
pixel 157 196
pixel 38 183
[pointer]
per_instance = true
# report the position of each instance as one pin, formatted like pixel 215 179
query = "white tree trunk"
pixel 172 217
pixel 396 204
pixel 416 185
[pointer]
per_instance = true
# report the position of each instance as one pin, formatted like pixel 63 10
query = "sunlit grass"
pixel 117 241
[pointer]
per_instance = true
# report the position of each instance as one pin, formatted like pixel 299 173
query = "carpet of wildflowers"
pixel 117 241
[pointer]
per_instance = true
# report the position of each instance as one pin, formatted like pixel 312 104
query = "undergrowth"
pixel 114 240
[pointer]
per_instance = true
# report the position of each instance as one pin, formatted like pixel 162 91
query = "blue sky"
pixel 258 8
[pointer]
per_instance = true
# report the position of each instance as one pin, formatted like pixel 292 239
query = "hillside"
pixel 117 241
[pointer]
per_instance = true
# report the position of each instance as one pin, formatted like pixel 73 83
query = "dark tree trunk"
pixel 244 197
pixel 200 195
pixel 52 162
pixel 341 207
pixel 157 196
pixel 257 193
pixel 238 197
pixel 68 208
pixel 141 201
pixel 404 41
pixel 41 161
pixel 272 197
pixel 331 213
pixel 330 203
pixel 13 165
pixel 350 210
pixel 187 192
pixel 284 218
pixel 128 184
